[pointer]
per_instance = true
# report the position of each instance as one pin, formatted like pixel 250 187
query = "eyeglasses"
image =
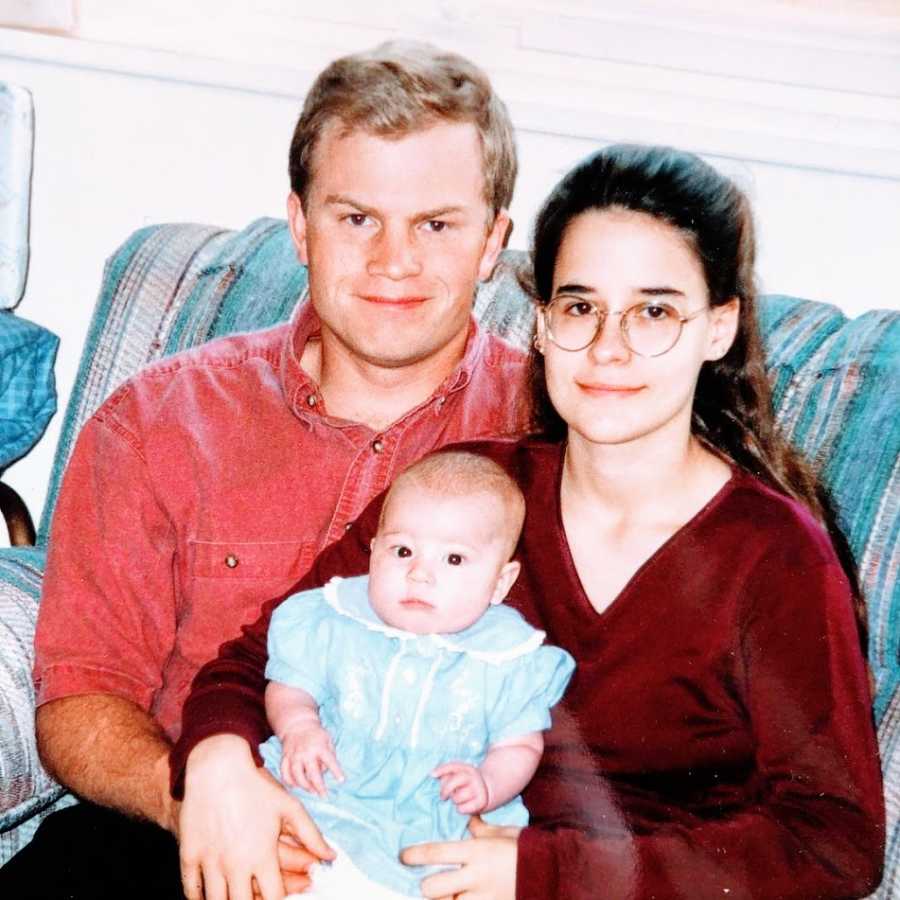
pixel 648 329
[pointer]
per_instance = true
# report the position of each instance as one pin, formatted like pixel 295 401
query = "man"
pixel 207 484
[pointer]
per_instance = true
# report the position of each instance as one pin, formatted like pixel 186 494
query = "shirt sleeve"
pixel 227 694
pixel 816 828
pixel 533 685
pixel 300 635
pixel 106 622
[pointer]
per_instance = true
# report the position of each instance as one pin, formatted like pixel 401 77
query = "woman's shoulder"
pixel 766 515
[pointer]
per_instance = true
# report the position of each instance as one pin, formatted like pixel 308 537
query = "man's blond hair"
pixel 398 88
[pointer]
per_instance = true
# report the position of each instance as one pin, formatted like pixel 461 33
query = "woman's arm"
pixel 504 772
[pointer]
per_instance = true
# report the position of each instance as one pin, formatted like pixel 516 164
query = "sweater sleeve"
pixel 227 694
pixel 815 825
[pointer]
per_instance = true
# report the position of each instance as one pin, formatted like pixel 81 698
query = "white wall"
pixel 196 128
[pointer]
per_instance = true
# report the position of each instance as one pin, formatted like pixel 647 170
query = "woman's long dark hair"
pixel 732 410
pixel 732 405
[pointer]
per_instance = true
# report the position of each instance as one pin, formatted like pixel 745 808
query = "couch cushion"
pixel 27 788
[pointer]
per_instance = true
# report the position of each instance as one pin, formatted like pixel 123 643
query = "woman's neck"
pixel 659 474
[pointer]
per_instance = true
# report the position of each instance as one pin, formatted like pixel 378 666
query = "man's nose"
pixel 395 254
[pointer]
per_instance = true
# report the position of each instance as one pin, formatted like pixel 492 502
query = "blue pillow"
pixel 27 385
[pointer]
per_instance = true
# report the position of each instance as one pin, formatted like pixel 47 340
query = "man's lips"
pixel 404 302
pixel 415 603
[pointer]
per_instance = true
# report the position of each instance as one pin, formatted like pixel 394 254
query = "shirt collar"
pixel 500 635
pixel 301 392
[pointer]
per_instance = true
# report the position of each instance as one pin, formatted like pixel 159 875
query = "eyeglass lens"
pixel 648 329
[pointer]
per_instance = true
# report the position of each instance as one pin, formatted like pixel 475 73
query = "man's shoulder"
pixel 234 360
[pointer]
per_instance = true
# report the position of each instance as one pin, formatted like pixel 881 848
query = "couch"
pixel 837 392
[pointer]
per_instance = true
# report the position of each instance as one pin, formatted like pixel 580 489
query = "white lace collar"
pixel 500 635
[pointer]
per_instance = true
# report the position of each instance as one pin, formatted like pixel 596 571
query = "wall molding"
pixel 813 98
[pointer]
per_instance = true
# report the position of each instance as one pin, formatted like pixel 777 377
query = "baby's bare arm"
pixel 307 749
pixel 507 768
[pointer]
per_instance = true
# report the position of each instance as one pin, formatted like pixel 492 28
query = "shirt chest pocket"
pixel 238 561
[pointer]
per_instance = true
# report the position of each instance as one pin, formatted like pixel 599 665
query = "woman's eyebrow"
pixel 574 289
pixel 662 291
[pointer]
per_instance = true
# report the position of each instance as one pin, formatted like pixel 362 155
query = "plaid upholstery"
pixel 27 385
pixel 835 380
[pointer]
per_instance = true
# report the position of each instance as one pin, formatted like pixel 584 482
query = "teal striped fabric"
pixel 836 384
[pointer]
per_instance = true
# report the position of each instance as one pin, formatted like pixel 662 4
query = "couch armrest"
pixel 27 788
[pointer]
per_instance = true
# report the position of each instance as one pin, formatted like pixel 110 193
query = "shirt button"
pixel 410 676
pixel 231 561
pixel 377 445
pixel 397 720
pixel 348 526
pixel 311 400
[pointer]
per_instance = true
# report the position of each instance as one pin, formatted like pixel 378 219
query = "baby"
pixel 407 700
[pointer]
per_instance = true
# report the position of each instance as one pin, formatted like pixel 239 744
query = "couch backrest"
pixel 836 381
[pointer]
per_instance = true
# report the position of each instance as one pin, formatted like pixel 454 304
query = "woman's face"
pixel 606 393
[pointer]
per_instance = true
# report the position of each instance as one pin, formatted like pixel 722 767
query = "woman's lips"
pixel 609 390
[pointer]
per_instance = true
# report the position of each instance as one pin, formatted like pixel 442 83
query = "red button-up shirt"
pixel 207 485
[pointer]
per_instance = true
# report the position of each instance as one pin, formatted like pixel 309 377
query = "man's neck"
pixel 375 395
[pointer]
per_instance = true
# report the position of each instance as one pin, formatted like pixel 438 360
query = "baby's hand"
pixel 464 785
pixel 307 752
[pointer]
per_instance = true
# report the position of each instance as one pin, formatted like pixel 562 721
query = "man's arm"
pixel 110 751
pixel 106 625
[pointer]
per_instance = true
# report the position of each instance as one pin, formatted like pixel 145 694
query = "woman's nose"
pixel 609 343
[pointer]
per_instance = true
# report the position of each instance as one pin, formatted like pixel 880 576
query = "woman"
pixel 716 740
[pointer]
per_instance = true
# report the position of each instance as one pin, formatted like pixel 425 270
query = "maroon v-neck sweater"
pixel 716 740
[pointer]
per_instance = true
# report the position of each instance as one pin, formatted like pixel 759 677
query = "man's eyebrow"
pixel 439 212
pixel 345 200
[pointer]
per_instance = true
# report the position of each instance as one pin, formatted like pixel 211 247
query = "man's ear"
pixel 496 240
pixel 505 580
pixel 297 225
pixel 724 321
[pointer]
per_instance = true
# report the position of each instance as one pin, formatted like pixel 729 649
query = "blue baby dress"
pixel 397 705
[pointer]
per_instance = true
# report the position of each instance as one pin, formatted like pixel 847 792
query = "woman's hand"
pixel 232 817
pixel 487 864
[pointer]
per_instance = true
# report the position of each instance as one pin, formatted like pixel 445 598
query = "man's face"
pixel 396 233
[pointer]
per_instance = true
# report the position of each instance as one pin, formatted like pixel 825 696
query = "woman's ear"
pixel 724 321
pixel 540 332
pixel 508 574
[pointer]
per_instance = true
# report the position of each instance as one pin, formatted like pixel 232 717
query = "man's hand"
pixel 306 753
pixel 232 817
pixel 487 864
pixel 465 786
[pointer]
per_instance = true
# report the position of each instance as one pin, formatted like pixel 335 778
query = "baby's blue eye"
pixel 454 559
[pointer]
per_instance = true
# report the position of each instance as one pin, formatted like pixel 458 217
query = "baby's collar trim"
pixel 469 641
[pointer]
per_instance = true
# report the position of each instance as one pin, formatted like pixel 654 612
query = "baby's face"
pixel 438 562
